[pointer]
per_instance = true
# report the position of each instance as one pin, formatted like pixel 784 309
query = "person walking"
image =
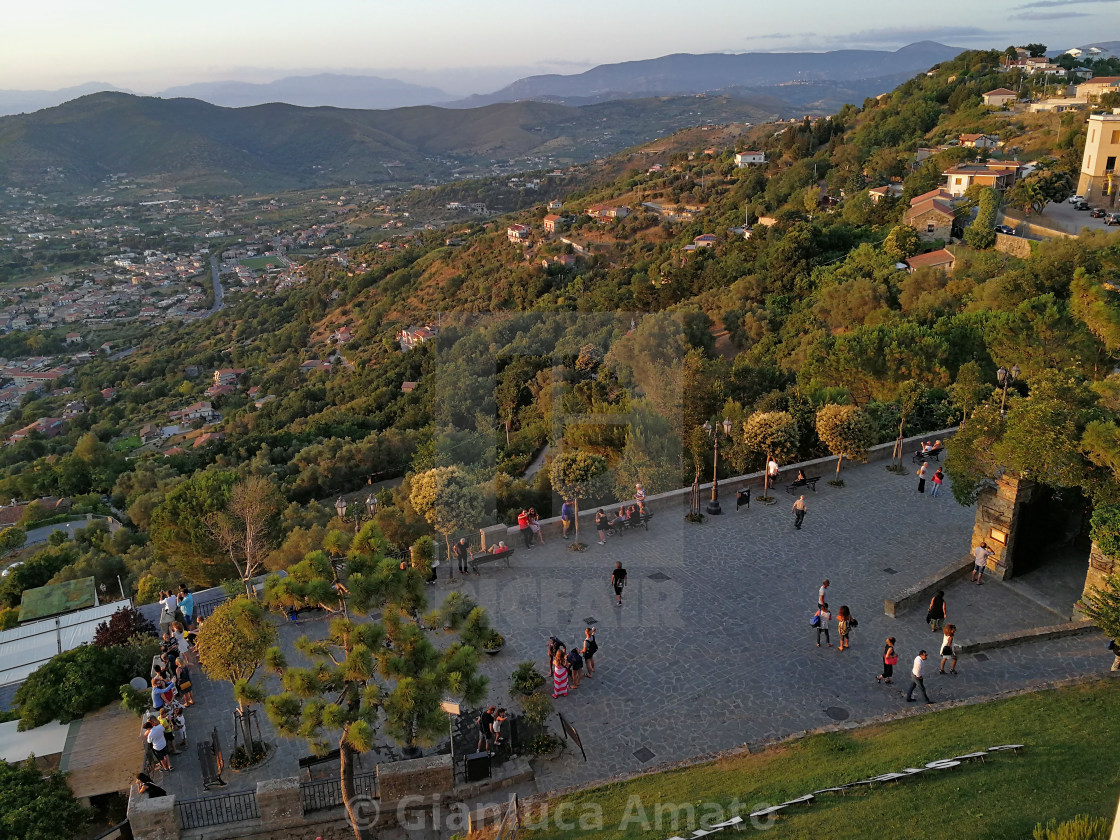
pixel 618 581
pixel 575 666
pixel 980 556
pixel 486 729
pixel 771 473
pixel 936 614
pixel 890 659
pixel 567 516
pixel 922 471
pixel 462 552
pixel 948 649
pixel 590 648
pixel 917 675
pixel 938 477
pixel 820 593
pixel 823 616
pixel 601 526
pixel 559 676
pixel 843 627
pixel 535 525
pixel 183 681
pixel 799 512
pixel 523 527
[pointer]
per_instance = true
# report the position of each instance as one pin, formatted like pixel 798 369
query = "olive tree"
pixel 232 644
pixel 773 434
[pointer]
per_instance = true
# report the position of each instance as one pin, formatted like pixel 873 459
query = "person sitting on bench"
pixel 622 517
pixel 499 548
pixel 800 475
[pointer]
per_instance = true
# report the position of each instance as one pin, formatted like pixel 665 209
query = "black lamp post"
pixel 1005 378
pixel 713 505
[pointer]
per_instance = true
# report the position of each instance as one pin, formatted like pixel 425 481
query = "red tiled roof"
pixel 933 258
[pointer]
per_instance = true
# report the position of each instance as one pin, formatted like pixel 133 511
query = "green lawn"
pixel 261 263
pixel 1069 766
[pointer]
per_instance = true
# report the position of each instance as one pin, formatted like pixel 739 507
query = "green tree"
pixel 12 537
pixel 232 644
pixel 910 397
pixel 772 434
pixel 34 806
pixel 447 499
pixel 981 233
pixel 969 390
pixel 577 474
pixel 179 525
pixel 847 432
pixel 902 243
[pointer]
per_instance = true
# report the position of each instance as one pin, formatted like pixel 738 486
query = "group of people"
pixel 568 666
pixel 528 522
pixel 821 618
pixel 164 726
pixel 938 478
pixel 490 724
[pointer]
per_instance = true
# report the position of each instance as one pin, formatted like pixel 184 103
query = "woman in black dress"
pixel 890 659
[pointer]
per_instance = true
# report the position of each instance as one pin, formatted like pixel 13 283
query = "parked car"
pixel 1097 213
pixel 1112 219
pixel 1073 199
pixel 1010 231
pixel 1081 205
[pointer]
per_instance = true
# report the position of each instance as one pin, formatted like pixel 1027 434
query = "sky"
pixel 149 45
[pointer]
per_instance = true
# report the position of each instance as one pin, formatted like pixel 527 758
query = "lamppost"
pixel 713 505
pixel 341 506
pixel 1005 377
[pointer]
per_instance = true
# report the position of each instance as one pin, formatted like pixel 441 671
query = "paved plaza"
pixel 712 647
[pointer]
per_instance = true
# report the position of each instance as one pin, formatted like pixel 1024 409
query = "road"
pixel 41 535
pixel 218 293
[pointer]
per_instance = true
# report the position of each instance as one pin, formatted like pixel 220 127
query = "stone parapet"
pixel 153 819
pixel 415 777
pixel 918 593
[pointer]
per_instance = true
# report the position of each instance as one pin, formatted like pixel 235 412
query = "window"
pixel 930 227
pixel 1115 137
pixel 1110 163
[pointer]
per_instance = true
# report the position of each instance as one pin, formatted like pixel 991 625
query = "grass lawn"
pixel 1069 767
pixel 261 263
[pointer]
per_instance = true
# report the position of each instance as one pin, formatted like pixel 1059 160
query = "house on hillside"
pixel 196 411
pixel 932 218
pixel 73 338
pixel 313 365
pixel 978 141
pixel 997 174
pixel 940 260
pixel 555 204
pixel 340 336
pixel 553 223
pixel 705 240
pixel 518 234
pixel 999 97
pixel 750 158
pixel 877 194
pixel 228 376
pixel 562 260
pixel 150 433
pixel 415 336
pixel 1097 86
pixel 46 426
pixel 1098 178
pixel 607 212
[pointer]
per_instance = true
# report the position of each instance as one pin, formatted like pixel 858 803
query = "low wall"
pixel 664 503
pixel 1035 634
pixel 415 777
pixel 919 593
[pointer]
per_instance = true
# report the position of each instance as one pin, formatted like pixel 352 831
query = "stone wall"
pixel 997 522
pixel 417 777
pixel 1100 567
pixel 1016 246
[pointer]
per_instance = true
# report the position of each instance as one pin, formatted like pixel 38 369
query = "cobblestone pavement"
pixel 712 647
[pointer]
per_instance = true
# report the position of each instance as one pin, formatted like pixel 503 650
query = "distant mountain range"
pixel 746 74
pixel 675 75
pixel 199 148
pixel 331 89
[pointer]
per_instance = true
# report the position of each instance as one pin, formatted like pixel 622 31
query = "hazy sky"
pixel 147 45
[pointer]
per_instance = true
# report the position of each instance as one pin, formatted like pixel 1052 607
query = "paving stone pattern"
pixel 712 647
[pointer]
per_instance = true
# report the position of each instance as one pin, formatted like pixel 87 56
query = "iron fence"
pixel 327 793
pixel 218 809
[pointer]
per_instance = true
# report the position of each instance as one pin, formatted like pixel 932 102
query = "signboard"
pixel 570 732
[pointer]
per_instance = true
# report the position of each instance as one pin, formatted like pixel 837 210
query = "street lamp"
pixel 713 505
pixel 1005 377
pixel 341 506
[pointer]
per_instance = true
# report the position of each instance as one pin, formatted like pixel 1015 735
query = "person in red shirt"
pixel 523 525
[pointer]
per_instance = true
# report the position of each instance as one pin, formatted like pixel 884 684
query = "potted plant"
pixel 537 710
pixel 492 642
pixel 525 680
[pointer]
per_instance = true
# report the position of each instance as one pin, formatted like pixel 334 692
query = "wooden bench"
pixel 932 455
pixel 486 557
pixel 810 482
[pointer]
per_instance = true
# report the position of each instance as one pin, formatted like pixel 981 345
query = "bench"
pixel 486 557
pixel 810 482
pixel 933 455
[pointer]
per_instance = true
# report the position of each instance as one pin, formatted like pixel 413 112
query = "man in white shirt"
pixel 771 473
pixel 980 556
pixel 918 681
pixel 169 603
pixel 155 735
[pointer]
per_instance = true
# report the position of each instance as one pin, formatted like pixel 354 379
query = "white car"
pixel 5 572
pixel 1073 199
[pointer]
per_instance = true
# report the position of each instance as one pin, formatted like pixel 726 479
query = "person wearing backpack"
pixel 590 647
pixel 820 621
pixel 575 666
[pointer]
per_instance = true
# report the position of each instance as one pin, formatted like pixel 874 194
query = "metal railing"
pixel 218 809
pixel 327 793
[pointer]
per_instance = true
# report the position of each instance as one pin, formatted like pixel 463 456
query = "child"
pixel 499 718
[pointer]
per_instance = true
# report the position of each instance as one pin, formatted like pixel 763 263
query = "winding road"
pixel 218 293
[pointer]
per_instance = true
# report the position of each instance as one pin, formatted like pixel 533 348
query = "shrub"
pixel 525 679
pixel 1081 827
pixel 122 626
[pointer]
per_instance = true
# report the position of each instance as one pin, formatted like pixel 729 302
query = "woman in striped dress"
pixel 559 676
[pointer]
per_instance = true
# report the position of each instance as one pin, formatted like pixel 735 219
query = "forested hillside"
pixel 623 352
